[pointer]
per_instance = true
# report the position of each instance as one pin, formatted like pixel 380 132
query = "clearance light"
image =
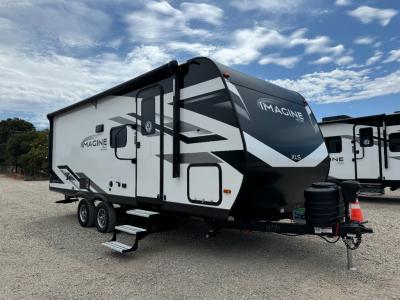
pixel 227 191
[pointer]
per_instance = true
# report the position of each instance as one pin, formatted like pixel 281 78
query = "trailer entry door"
pixel 367 160
pixel 149 149
pixel 391 173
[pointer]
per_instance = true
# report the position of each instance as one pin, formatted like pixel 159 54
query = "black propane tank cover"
pixel 322 206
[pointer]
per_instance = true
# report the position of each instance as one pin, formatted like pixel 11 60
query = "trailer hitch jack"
pixel 351 234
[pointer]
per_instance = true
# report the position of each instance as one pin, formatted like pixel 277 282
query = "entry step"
pixel 129 229
pixel 116 246
pixel 141 213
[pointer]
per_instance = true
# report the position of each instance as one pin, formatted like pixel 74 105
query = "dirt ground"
pixel 45 254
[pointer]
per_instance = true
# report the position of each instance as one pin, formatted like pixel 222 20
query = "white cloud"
pixel 367 14
pixel 53 81
pixel 287 62
pixel 375 58
pixel 160 21
pixel 393 56
pixel 319 44
pixel 342 85
pixel 364 40
pixel 45 24
pixel 202 11
pixel 192 48
pixel 377 44
pixel 246 46
pixel 345 60
pixel 270 6
pixel 342 2
pixel 322 61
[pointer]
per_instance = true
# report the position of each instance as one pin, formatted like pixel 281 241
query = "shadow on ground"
pixel 65 236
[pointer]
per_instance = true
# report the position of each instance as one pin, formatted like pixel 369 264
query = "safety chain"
pixel 352 243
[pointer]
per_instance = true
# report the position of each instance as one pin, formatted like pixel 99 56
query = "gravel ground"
pixel 45 254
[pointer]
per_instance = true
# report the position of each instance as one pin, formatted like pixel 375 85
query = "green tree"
pixel 17 146
pixel 11 127
pixel 34 162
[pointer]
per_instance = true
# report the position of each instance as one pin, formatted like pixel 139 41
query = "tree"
pixel 35 161
pixel 9 128
pixel 18 145
pixel 23 147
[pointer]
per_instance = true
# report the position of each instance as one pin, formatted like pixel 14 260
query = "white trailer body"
pixel 366 149
pixel 186 143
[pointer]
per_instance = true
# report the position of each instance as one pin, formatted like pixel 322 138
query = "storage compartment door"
pixel 205 184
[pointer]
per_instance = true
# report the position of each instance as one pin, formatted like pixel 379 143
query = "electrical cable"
pixel 328 241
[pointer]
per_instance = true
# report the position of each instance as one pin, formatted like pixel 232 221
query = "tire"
pixel 106 217
pixel 86 213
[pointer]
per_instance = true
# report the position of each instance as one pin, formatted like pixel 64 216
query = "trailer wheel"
pixel 86 213
pixel 106 217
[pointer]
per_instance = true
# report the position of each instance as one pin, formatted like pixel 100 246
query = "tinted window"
pixel 394 142
pixel 148 116
pixel 334 144
pixel 118 137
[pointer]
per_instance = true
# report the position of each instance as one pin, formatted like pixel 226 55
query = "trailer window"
pixel 334 144
pixel 366 137
pixel 148 116
pixel 394 142
pixel 118 137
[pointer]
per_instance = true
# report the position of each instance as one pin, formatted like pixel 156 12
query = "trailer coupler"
pixel 351 234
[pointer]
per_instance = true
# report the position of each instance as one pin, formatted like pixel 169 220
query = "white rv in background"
pixel 373 159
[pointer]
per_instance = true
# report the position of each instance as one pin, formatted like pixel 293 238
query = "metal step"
pixel 141 213
pixel 129 229
pixel 116 246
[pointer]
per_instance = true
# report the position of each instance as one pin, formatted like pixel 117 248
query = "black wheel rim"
pixel 102 218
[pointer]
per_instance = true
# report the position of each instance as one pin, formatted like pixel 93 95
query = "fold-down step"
pixel 116 246
pixel 141 213
pixel 129 229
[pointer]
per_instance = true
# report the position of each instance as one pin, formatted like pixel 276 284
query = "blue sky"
pixel 342 55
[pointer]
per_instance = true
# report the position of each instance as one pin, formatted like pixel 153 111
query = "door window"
pixel 148 116
pixel 334 144
pixel 394 142
pixel 366 137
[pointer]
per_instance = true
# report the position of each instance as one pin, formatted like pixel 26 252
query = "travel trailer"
pixel 196 139
pixel 366 149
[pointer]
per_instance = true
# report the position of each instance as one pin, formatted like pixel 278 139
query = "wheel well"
pixel 98 197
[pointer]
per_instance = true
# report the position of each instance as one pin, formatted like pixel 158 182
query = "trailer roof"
pixel 389 119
